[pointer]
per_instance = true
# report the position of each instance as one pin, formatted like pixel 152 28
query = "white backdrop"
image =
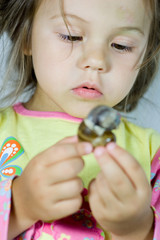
pixel 147 114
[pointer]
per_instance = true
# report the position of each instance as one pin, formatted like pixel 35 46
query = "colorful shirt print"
pixel 10 151
pixel 5 204
pixel 79 226
pixel 156 193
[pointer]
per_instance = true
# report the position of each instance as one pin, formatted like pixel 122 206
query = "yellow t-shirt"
pixel 24 134
pixel 37 131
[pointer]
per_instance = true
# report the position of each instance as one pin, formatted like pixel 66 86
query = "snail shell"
pixel 96 127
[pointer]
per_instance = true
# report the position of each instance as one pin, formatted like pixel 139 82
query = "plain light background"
pixel 147 114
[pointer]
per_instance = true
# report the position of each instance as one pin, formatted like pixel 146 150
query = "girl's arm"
pixel 18 222
pixel 11 223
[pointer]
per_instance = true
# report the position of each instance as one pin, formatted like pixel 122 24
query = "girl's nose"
pixel 94 60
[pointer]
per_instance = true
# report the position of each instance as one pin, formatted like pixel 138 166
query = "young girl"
pixel 78 55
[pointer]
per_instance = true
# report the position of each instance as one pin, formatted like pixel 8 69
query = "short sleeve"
pixel 154 143
pixel 155 182
pixel 5 205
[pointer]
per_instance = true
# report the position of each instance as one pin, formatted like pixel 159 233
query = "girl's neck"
pixel 39 102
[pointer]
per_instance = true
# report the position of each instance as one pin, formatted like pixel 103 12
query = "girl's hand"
pixel 120 195
pixel 49 188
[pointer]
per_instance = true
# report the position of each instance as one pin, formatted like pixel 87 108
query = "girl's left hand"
pixel 120 195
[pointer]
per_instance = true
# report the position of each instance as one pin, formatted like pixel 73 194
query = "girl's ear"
pixel 27 52
pixel 26 49
pixel 26 42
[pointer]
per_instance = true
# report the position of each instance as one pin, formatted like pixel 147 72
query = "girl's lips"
pixel 87 93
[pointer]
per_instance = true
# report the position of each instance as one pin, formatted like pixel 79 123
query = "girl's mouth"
pixel 87 92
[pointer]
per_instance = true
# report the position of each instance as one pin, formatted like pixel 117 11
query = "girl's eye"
pixel 69 38
pixel 121 48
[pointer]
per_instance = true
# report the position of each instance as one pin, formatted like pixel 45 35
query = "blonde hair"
pixel 16 19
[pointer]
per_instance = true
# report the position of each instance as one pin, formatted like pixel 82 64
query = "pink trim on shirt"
pixel 20 109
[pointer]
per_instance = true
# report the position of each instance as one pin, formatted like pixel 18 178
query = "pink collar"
pixel 20 109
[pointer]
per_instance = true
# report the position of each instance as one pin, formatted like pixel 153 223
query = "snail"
pixel 97 127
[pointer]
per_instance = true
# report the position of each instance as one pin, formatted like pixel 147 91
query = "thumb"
pixel 70 139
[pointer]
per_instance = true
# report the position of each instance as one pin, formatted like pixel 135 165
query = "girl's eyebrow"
pixel 130 29
pixel 120 29
pixel 70 16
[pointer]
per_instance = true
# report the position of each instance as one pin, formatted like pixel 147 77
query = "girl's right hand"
pixel 49 188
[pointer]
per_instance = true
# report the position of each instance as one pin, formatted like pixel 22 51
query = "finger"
pixel 60 152
pixel 66 190
pixel 67 207
pixel 64 170
pixel 114 177
pixel 93 196
pixel 129 165
pixel 104 193
pixel 97 205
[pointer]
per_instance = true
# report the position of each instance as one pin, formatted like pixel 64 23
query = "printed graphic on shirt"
pixel 9 152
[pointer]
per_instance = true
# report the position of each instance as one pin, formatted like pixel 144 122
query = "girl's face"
pixel 109 42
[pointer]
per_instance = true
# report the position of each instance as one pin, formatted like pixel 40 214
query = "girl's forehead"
pixel 99 11
pixel 123 8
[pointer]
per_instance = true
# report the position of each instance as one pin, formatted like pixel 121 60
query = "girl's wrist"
pixel 144 230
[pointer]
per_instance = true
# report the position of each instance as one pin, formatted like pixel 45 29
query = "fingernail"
pixel 99 151
pixel 111 146
pixel 74 138
pixel 88 148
